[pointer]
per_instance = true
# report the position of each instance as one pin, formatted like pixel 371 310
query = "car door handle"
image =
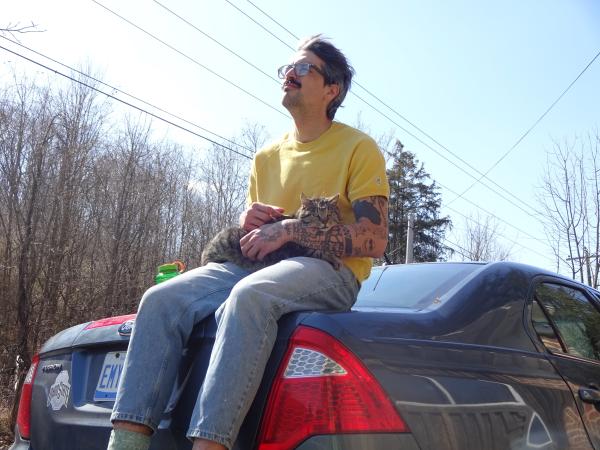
pixel 589 395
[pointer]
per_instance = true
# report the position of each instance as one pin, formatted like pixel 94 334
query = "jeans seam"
pixel 173 326
pixel 157 386
pixel 333 285
pixel 209 435
pixel 184 311
pixel 138 419
pixel 250 376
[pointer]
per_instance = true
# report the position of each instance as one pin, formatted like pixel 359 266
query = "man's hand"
pixel 261 241
pixel 259 214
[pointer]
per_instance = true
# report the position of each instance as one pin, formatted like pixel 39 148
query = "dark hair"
pixel 337 68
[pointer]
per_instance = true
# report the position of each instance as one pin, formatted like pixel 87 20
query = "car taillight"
pixel 323 388
pixel 24 415
pixel 116 320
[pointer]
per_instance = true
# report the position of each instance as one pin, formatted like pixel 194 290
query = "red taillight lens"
pixel 323 388
pixel 117 320
pixel 24 415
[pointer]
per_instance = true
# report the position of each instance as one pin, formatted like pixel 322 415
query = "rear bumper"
pixel 378 441
pixel 20 443
pixel 96 438
pixel 347 442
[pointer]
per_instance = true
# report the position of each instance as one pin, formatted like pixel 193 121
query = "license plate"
pixel 110 374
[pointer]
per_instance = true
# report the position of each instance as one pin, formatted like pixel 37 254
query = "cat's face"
pixel 320 211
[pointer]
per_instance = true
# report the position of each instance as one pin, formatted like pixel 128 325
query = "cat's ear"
pixel 303 199
pixel 333 200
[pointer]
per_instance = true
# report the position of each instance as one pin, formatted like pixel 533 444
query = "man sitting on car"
pixel 319 157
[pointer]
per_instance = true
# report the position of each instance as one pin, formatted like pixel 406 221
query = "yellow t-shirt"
pixel 342 160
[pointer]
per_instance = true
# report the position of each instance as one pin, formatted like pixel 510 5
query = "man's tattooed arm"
pixel 366 237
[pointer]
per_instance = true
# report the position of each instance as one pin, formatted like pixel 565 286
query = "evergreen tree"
pixel 411 192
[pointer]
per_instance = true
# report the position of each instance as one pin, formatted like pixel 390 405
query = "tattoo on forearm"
pixel 371 224
pixel 337 241
pixel 273 235
pixel 367 208
pixel 348 241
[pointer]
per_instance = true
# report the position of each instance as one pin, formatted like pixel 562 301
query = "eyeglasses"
pixel 300 69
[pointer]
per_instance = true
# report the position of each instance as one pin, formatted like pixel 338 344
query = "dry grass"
pixel 6 434
pixel 6 399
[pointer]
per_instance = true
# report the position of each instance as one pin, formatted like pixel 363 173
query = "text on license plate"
pixel 109 377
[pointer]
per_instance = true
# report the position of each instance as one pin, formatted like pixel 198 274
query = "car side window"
pixel 571 314
pixel 544 329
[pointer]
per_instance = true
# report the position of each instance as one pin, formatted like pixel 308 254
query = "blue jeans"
pixel 247 307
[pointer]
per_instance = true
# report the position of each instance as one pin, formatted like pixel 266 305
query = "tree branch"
pixel 17 28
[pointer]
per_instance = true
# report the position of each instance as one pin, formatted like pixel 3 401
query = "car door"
pixel 567 321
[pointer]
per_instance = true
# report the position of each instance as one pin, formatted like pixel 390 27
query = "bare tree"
pixel 89 210
pixel 224 177
pixel 481 242
pixel 12 29
pixel 77 127
pixel 570 198
pixel 26 164
pixel 253 136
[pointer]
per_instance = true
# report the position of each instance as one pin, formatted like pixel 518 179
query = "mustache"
pixel 292 81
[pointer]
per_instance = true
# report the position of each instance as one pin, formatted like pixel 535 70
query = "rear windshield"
pixel 414 286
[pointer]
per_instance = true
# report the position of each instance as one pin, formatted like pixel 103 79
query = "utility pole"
pixel 585 259
pixel 409 239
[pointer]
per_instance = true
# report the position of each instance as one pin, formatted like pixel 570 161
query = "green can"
pixel 168 271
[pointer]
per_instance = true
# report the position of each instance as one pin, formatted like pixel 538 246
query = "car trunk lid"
pixel 79 369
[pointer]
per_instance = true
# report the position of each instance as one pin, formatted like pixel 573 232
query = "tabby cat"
pixel 319 212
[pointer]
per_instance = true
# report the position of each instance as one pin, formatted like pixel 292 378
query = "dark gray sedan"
pixel 432 356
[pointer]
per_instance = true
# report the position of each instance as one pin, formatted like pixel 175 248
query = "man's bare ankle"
pixel 131 426
pixel 204 444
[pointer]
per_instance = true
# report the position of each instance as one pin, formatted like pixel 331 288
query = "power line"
pixel 493 215
pixel 499 234
pixel 531 127
pixel 260 25
pixel 528 212
pixel 124 102
pixel 277 23
pixel 127 94
pixel 216 41
pixel 195 61
pixel 461 250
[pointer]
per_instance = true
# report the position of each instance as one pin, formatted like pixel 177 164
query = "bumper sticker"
pixel 59 391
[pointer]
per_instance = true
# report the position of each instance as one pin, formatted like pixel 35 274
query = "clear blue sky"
pixel 474 75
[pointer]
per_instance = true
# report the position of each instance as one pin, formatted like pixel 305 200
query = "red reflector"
pixel 24 415
pixel 323 388
pixel 117 320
